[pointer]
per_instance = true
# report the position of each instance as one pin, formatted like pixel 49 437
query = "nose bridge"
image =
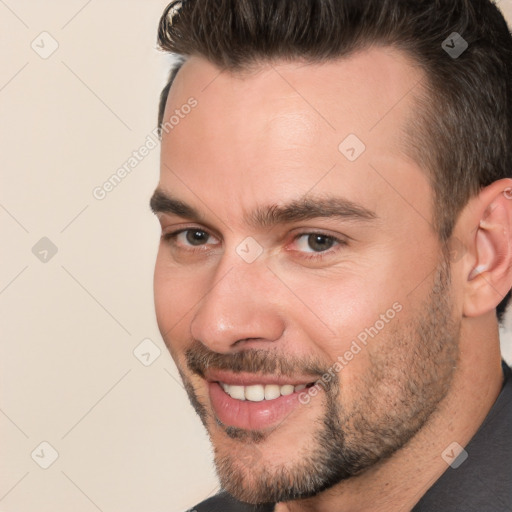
pixel 237 306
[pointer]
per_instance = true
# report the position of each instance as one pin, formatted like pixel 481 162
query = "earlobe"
pixel 490 276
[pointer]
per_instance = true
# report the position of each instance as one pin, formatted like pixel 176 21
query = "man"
pixel 335 204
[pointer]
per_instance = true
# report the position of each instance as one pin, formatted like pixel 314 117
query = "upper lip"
pixel 249 379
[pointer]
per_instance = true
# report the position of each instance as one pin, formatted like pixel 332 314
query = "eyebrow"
pixel 307 208
pixel 163 203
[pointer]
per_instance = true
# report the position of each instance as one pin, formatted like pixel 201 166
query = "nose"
pixel 239 306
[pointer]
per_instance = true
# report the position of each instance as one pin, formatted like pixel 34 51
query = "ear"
pixel 488 224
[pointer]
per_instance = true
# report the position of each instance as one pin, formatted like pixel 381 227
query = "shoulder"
pixel 483 481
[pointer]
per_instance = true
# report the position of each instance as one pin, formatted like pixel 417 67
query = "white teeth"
pixel 272 391
pixel 287 389
pixel 259 392
pixel 237 392
pixel 255 393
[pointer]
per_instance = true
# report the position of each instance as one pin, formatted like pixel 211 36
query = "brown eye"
pixel 315 242
pixel 186 239
pixel 196 236
pixel 319 242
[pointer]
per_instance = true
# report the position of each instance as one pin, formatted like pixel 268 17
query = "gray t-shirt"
pixel 482 483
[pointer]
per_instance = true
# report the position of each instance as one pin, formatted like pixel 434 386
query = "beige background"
pixel 126 437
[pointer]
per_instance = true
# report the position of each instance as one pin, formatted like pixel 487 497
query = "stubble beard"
pixel 406 381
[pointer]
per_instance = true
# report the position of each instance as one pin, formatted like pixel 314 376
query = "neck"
pixel 398 483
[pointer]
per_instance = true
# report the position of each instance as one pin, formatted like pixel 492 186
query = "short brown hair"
pixel 462 129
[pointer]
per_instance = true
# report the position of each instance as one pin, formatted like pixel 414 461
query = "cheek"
pixel 346 317
pixel 175 295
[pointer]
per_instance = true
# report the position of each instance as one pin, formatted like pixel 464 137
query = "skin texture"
pixel 426 379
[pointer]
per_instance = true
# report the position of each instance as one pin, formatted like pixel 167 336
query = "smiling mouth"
pixel 253 402
pixel 260 392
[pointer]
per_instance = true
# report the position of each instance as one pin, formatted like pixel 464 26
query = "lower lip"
pixel 251 415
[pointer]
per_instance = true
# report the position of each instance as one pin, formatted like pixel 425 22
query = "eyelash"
pixel 317 256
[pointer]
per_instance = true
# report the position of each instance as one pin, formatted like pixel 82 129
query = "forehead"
pixel 276 131
pixel 356 91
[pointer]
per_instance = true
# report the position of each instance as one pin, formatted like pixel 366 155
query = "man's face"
pixel 309 258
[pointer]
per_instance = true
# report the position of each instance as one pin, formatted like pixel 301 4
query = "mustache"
pixel 200 358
